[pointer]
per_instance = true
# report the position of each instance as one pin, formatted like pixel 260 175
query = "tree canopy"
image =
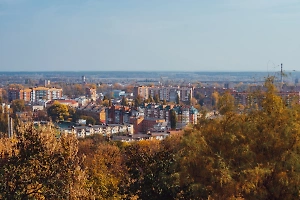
pixel 58 111
pixel 35 164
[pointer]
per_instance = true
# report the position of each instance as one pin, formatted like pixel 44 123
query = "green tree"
pixel 138 101
pixel 89 120
pixel 124 101
pixel 189 102
pixel 58 111
pixel 177 99
pixel 3 120
pixel 173 119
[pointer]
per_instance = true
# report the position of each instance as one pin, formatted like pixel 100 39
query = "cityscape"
pixel 141 103
pixel 149 100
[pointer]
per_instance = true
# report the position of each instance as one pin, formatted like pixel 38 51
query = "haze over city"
pixel 133 35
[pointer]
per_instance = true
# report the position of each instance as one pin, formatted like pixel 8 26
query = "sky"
pixel 149 35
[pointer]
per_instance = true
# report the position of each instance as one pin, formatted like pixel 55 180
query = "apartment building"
pixel 96 111
pixel 54 93
pixel 44 93
pixel 153 91
pixel 117 114
pixel 34 94
pixel 186 115
pixel 165 93
pixel 91 93
pixel 185 93
pixel 249 99
pixel 142 91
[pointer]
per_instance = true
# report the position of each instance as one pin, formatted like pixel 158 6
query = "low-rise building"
pixel 95 111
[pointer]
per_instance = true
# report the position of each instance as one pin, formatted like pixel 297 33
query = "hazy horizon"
pixel 133 35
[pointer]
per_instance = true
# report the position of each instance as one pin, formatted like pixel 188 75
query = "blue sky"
pixel 176 35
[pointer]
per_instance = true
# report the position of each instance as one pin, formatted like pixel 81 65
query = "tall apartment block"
pixel 142 91
pixel 91 93
pixel 34 94
pixel 165 93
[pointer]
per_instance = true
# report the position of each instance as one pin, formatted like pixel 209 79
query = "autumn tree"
pixel 164 102
pixel 38 165
pixel 106 102
pixel 104 168
pixel 129 88
pixel 251 156
pixel 152 170
pixel 18 105
pixel 156 98
pixel 226 103
pixel 151 99
pixel 215 99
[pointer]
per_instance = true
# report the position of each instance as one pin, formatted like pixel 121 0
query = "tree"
pixel 104 98
pixel 226 103
pixel 129 88
pixel 3 120
pixel 248 156
pixel 124 101
pixel 18 105
pixel 58 111
pixel 164 102
pixel 152 170
pixel 173 119
pixel 189 102
pixel 4 96
pixel 89 120
pixel 156 98
pixel 138 101
pixel 105 171
pixel 151 100
pixel 40 115
pixel 38 165
pixel 177 99
pixel 215 99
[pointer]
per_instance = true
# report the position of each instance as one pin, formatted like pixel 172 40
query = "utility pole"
pixel 9 125
pixel 281 74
